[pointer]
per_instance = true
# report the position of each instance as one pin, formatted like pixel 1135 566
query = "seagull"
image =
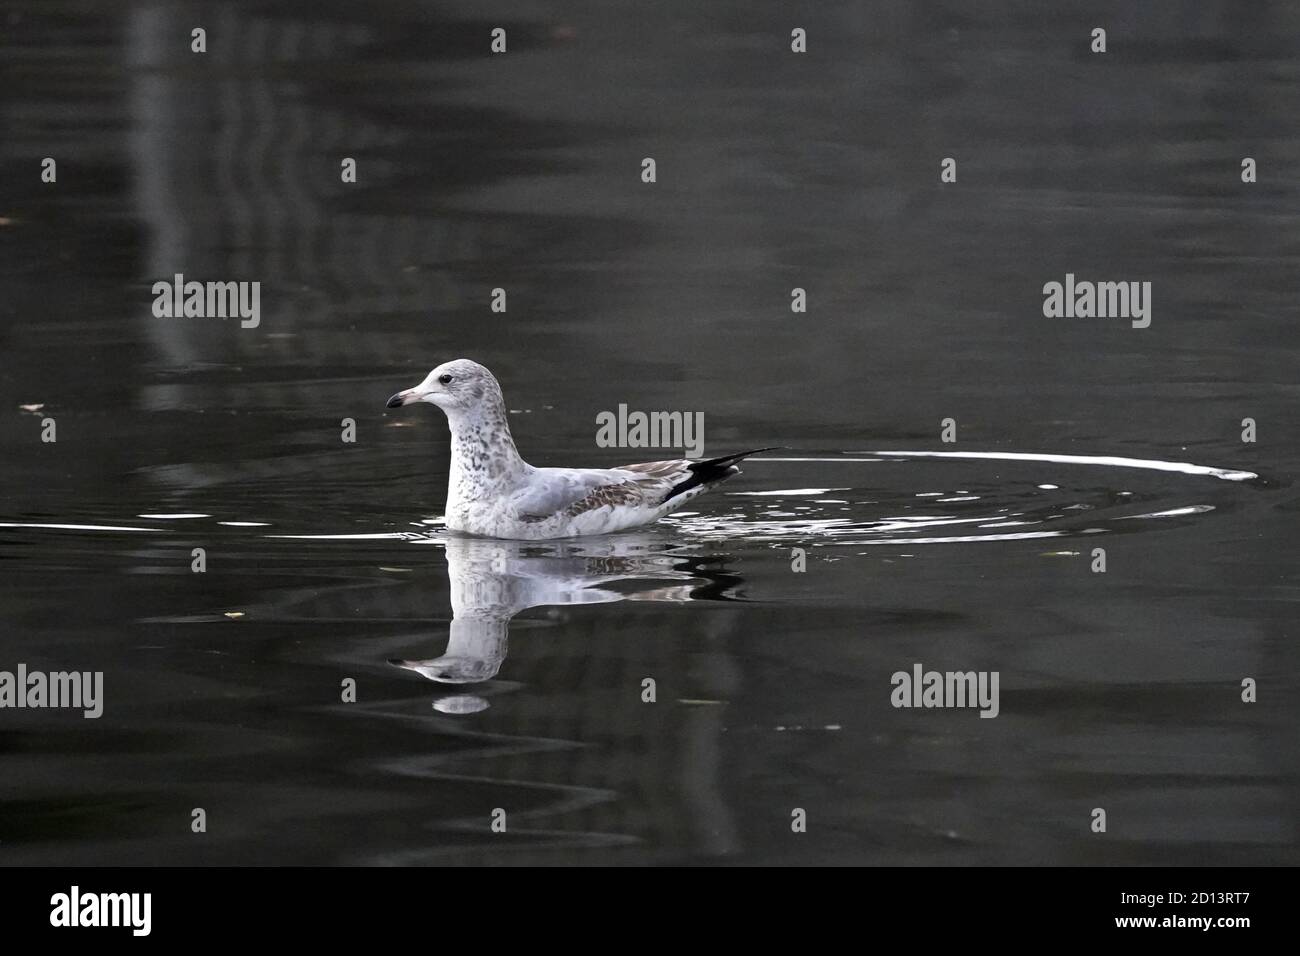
pixel 494 493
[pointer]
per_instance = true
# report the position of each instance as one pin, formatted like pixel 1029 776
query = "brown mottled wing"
pixel 572 492
pixel 623 493
pixel 669 471
pixel 650 482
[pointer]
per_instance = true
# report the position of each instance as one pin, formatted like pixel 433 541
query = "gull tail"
pixel 713 470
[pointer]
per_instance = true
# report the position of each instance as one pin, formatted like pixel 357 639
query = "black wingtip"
pixel 739 456
pixel 715 469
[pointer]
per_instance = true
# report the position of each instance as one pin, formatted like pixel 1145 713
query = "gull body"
pixel 493 492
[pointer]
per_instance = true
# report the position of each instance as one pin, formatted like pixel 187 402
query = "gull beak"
pixel 404 398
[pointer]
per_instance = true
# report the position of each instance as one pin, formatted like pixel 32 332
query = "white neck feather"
pixel 484 460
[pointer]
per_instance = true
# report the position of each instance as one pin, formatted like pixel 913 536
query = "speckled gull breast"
pixel 494 493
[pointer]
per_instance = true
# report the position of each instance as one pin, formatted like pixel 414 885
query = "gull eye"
pixel 444 378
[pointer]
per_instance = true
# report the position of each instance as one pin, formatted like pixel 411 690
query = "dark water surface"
pixel 325 560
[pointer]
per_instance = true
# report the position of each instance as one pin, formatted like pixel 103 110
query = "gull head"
pixel 459 387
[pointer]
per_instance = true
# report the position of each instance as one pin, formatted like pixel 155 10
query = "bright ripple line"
pixel 966 537
pixel 1152 464
pixel 341 537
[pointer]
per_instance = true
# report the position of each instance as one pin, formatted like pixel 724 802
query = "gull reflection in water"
pixel 491 581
